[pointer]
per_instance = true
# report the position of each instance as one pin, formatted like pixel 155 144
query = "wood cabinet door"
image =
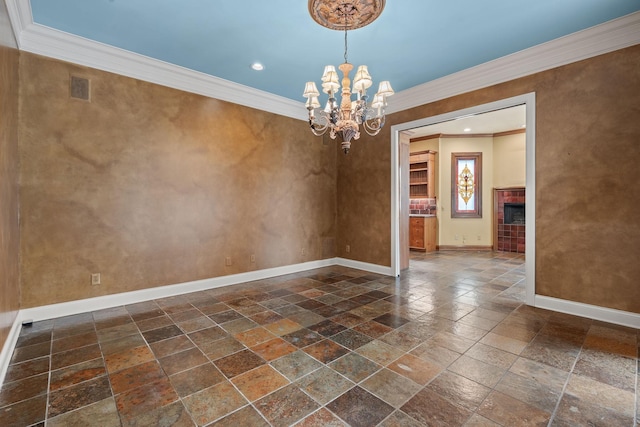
pixel 416 232
pixel 430 234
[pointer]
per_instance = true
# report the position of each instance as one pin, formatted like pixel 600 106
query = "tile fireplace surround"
pixel 510 237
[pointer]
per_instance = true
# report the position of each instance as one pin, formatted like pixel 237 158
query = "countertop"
pixel 422 215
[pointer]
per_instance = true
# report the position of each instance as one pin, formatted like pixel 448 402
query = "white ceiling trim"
pixel 66 47
pixel 19 15
pixel 613 35
pixel 60 45
pixel 7 36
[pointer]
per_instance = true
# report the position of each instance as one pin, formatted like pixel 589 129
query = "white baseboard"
pixel 108 301
pixel 374 268
pixel 610 315
pixel 52 311
pixel 7 348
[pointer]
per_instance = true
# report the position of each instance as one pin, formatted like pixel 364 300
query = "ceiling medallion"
pixel 345 14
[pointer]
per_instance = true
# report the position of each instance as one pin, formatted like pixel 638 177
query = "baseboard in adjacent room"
pixel 477 248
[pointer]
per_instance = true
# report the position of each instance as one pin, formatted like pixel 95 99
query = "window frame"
pixel 476 211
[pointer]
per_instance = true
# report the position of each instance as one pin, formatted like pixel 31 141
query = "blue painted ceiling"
pixel 413 41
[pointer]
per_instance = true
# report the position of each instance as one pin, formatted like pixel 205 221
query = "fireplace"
pixel 509 219
pixel 514 213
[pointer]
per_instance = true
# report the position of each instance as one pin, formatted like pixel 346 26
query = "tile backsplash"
pixel 423 206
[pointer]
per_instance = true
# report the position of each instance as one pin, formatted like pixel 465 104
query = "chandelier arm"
pixel 362 113
pixel 319 125
pixel 373 126
pixel 318 131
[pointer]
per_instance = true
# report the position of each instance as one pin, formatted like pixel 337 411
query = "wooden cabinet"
pixel 422 174
pixel 422 233
pixel 416 232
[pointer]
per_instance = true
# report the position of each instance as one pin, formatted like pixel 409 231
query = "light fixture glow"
pixel 467 129
pixel 257 66
pixel 345 118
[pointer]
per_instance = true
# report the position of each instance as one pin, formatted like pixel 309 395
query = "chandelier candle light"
pixel 344 119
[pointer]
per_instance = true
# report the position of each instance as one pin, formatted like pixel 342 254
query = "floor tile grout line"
pixel 492 389
pixel 354 384
pixel 113 394
pixel 46 408
pixel 406 352
pixel 566 383
pixel 386 367
pixel 636 417
pixel 181 398
pixel 229 380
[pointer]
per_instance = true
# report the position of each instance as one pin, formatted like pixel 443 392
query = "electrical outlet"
pixel 347 248
pixel 227 261
pixel 456 237
pixel 252 258
pixel 479 237
pixel 95 278
pixel 303 251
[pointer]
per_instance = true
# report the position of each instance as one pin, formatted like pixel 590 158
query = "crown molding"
pixel 20 16
pixel 45 41
pixel 612 35
pixel 7 36
pixel 31 37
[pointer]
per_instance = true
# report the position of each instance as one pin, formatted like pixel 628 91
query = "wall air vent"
pixel 79 88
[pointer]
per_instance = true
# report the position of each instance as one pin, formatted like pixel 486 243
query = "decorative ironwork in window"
pixel 466 185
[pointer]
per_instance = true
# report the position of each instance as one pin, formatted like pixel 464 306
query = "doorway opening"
pixel 400 180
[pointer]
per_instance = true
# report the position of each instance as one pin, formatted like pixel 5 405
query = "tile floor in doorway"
pixel 448 344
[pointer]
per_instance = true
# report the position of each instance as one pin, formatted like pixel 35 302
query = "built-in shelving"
pixel 422 174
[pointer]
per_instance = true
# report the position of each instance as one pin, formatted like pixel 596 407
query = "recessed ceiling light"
pixel 523 126
pixel 467 129
pixel 257 66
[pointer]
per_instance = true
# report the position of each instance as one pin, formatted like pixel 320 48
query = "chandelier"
pixel 344 119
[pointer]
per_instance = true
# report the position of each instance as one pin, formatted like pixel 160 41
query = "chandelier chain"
pixel 345 45
pixel 345 38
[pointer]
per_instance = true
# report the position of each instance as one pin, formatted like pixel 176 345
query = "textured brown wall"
pixel 9 169
pixel 364 197
pixel 152 186
pixel 587 152
pixel 587 175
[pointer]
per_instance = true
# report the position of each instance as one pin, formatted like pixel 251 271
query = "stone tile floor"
pixel 448 344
